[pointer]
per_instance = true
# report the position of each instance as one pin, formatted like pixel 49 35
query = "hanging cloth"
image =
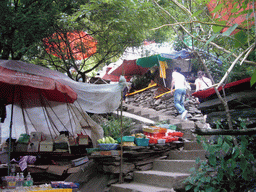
pixel 163 66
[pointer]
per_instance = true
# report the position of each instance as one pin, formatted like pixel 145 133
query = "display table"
pixel 36 190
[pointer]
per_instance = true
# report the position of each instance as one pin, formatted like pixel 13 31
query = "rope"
pixel 82 114
pixel 68 107
pixel 56 115
pixel 45 112
pixel 22 110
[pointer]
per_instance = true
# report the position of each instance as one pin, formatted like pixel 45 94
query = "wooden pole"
pixel 121 129
pixel 10 133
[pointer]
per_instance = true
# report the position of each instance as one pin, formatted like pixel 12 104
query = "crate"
pixel 126 139
pixel 142 141
pixel 46 146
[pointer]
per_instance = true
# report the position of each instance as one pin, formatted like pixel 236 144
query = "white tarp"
pixel 51 117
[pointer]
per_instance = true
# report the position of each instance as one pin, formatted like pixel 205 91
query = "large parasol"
pixel 22 82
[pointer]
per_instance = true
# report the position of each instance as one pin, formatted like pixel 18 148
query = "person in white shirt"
pixel 178 81
pixel 202 82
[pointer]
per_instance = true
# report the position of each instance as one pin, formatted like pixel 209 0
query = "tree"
pixel 25 22
pixel 114 25
pixel 207 34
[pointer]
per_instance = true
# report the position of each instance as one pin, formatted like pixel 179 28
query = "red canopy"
pixel 20 79
pixel 129 68
pixel 208 92
pixel 110 77
pixel 113 78
pixel 226 14
pixel 79 45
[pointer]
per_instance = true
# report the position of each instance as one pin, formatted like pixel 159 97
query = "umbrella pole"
pixel 121 155
pixel 10 135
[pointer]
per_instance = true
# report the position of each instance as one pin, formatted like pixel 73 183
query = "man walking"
pixel 179 81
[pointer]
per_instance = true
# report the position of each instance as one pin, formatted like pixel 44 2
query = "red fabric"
pixel 225 14
pixel 110 77
pixel 208 92
pixel 129 68
pixel 27 83
pixel 78 45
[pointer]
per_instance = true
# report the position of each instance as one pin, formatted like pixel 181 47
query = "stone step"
pixel 186 154
pixel 158 178
pixel 136 117
pixel 138 187
pixel 193 145
pixel 181 166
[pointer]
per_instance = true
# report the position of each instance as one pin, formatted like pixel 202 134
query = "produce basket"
pixel 126 138
pixel 141 141
pixel 108 146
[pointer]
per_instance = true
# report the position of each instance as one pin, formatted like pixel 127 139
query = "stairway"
pixel 165 173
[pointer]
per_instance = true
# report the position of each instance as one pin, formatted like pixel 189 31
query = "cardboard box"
pixel 35 136
pixel 33 146
pixel 3 157
pixel 61 147
pixel 110 153
pixel 46 146
pixel 83 139
pixel 80 161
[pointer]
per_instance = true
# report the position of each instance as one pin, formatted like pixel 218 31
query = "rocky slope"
pixel 165 104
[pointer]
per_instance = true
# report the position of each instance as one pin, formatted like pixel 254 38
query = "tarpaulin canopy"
pixel 150 61
pixel 154 59
pixel 182 54
pixel 129 68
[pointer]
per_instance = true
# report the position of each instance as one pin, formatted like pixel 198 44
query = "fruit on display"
pixel 107 140
pixel 140 135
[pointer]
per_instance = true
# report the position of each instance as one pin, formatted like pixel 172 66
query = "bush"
pixel 230 167
pixel 112 127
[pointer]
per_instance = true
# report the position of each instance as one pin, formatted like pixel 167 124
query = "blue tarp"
pixel 183 54
pixel 186 54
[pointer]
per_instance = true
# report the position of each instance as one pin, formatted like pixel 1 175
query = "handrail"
pixel 141 90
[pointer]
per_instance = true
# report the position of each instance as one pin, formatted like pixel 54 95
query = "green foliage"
pixel 24 23
pixel 112 127
pixel 229 167
pixel 140 82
